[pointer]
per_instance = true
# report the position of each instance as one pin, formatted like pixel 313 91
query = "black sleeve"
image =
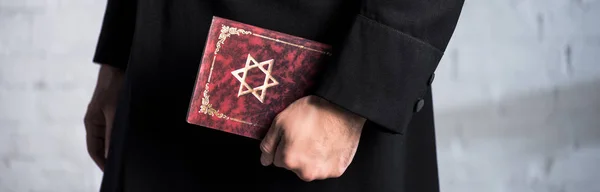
pixel 116 35
pixel 384 66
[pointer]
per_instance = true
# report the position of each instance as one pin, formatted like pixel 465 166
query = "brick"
pixel 65 105
pixel 75 72
pixel 17 105
pixel 38 160
pixel 447 68
pixel 579 96
pixel 15 31
pixel 495 21
pixel 19 72
pixel 449 96
pixel 8 146
pixel 488 72
pixel 76 35
pixel 23 3
pixel 577 170
pixel 573 18
pixel 507 61
pixel 586 60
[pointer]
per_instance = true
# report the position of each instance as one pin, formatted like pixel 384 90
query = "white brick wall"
pixel 517 96
pixel 46 79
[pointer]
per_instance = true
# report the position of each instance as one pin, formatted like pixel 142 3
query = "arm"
pixel 116 36
pixel 391 51
pixel 100 113
pixel 112 52
pixel 381 70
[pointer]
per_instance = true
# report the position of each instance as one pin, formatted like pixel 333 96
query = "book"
pixel 249 74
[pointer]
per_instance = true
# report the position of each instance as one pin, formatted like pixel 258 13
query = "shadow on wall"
pixel 540 141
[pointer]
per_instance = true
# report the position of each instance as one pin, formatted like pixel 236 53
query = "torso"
pixel 161 152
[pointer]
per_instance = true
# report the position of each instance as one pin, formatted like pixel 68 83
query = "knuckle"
pixel 90 121
pixel 264 147
pixel 338 173
pixel 307 176
pixel 280 116
pixel 88 126
pixel 277 117
pixel 289 161
pixel 87 120
pixel 92 152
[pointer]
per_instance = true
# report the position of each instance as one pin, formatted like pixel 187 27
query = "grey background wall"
pixel 517 96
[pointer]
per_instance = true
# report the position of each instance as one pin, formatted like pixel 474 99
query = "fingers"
pixel 287 159
pixel 94 122
pixel 310 173
pixel 292 157
pixel 269 144
pixel 307 176
pixel 282 158
pixel 96 151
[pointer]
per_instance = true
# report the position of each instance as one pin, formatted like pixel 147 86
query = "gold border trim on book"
pixel 226 31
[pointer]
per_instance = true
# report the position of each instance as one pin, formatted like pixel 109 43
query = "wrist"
pixel 109 83
pixel 350 118
pixel 109 77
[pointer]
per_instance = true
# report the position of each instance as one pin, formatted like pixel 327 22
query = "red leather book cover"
pixel 249 74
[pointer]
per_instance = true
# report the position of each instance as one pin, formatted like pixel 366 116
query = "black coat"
pixel 385 54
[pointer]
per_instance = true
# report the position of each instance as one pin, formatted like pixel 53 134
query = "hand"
pixel 313 138
pixel 100 113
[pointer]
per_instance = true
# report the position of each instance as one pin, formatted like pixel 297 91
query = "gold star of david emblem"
pixel 260 91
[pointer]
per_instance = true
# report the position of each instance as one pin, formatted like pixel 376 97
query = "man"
pixel 368 126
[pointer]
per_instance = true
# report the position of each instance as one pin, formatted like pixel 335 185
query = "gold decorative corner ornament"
pixel 207 108
pixel 226 32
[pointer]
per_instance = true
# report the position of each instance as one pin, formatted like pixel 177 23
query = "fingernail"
pixel 263 160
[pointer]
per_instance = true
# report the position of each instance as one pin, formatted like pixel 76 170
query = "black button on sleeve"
pixel 419 105
pixel 431 79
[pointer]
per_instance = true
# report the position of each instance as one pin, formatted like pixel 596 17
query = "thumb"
pixel 269 144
